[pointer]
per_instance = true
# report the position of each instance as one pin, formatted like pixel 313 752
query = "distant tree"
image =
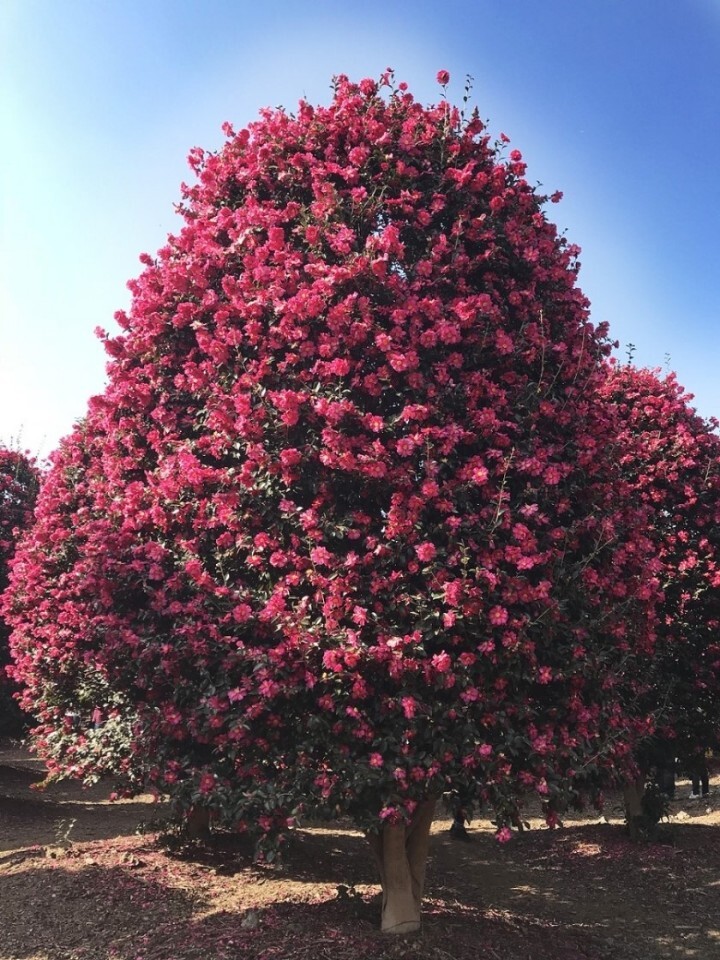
pixel 347 532
pixel 83 727
pixel 671 461
pixel 19 479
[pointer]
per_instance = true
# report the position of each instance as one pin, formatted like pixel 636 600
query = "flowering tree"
pixel 84 727
pixel 19 480
pixel 349 536
pixel 671 460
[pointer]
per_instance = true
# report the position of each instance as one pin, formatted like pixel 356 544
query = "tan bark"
pixel 400 853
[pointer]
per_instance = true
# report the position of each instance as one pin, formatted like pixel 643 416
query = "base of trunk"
pixel 391 925
pixel 401 855
pixel 633 792
pixel 197 823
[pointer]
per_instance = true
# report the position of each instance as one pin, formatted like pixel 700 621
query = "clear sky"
pixel 615 102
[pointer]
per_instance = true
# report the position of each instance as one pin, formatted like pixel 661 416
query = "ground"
pixel 79 882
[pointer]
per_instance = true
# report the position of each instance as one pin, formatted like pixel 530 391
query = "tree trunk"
pixel 197 823
pixel 401 855
pixel 633 792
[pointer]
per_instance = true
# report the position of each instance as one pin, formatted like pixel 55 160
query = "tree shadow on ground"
pixel 644 900
pixel 67 912
pixel 582 893
pixel 579 894
pixel 330 854
pixel 122 917
pixel 586 890
pixel 31 816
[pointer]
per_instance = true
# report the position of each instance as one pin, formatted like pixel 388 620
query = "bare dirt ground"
pixel 77 882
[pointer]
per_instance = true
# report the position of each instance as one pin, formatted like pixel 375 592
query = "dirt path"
pixel 77 882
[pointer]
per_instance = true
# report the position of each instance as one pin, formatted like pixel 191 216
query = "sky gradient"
pixel 614 102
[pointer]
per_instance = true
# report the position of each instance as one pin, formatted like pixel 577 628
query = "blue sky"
pixel 615 102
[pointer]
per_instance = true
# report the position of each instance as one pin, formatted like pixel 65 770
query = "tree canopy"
pixel 671 459
pixel 347 528
pixel 19 480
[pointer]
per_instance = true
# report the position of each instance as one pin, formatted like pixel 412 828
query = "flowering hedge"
pixel 672 463
pixel 19 479
pixel 345 529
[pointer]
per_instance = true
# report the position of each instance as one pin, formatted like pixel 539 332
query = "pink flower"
pixel 405 447
pixel 331 660
pixel 453 591
pixel 359 615
pixel 242 612
pixel 351 658
pixel 443 78
pixel 207 783
pixel 321 556
pixel 409 705
pixel 552 476
pixel 425 551
pixel 290 457
pixel 194 568
pixel 498 616
pixel 441 662
pixel 376 760
pixel 367 87
pixel 276 238
pixel 503 835
pixel 340 367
